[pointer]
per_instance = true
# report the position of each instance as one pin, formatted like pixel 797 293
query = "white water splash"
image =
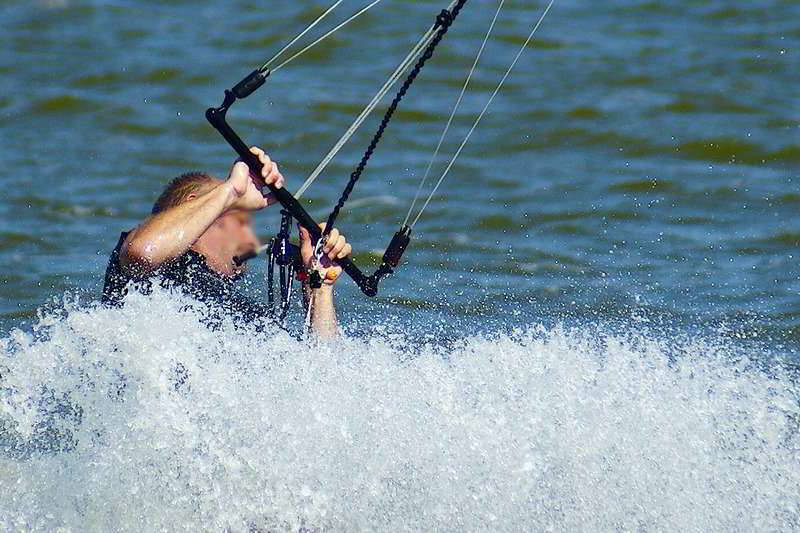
pixel 142 419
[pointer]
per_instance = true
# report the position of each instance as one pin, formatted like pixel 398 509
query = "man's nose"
pixel 252 239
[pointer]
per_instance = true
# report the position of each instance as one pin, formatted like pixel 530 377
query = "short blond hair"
pixel 180 188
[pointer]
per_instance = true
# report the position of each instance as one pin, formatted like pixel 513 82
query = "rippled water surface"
pixel 644 154
pixel 631 204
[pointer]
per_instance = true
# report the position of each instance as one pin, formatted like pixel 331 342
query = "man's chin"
pixel 239 273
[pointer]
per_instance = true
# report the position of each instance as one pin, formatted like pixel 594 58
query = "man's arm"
pixel 323 312
pixel 169 234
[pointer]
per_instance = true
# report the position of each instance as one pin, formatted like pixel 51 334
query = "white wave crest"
pixel 142 419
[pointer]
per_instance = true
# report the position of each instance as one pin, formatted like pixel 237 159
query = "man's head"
pixel 231 234
pixel 185 187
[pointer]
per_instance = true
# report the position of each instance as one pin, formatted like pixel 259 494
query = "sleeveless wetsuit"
pixel 191 274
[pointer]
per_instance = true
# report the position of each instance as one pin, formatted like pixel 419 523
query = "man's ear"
pixel 190 197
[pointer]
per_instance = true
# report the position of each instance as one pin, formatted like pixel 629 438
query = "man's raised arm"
pixel 169 234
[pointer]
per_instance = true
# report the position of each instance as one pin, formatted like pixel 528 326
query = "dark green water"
pixel 641 161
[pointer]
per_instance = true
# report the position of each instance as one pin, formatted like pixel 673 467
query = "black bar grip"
pixel 253 81
pixel 397 247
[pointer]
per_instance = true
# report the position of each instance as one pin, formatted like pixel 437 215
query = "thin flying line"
pixel 297 38
pixel 415 51
pixel 453 113
pixel 418 48
pixel 331 32
pixel 483 112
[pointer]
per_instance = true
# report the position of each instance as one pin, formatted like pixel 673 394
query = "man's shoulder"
pixel 116 278
pixel 123 235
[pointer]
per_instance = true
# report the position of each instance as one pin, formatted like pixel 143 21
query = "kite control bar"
pixel 217 117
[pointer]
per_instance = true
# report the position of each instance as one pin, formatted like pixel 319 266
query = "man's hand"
pixel 244 184
pixel 322 311
pixel 337 247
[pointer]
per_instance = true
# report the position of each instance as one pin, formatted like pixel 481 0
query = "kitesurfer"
pixel 198 225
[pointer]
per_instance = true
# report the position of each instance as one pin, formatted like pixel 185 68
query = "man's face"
pixel 231 235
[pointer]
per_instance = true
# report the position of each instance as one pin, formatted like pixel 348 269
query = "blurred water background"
pixel 631 203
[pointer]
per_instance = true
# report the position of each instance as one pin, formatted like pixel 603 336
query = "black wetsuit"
pixel 191 274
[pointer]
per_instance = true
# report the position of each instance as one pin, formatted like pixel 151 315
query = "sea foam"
pixel 144 419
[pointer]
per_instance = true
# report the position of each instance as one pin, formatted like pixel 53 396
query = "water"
pixel 562 429
pixel 595 330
